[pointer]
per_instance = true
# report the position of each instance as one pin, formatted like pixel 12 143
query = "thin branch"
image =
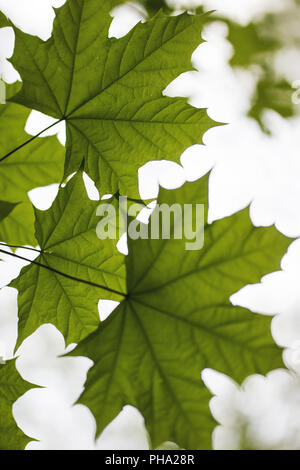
pixel 21 247
pixel 30 140
pixel 83 281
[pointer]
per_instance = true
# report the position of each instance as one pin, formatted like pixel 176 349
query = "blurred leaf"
pixel 248 44
pixel 153 6
pixel 255 46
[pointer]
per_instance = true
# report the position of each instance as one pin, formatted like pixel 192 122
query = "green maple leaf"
pixel 109 91
pixel 275 94
pixel 71 250
pixel 177 320
pixel 32 166
pixel 151 6
pixel 256 44
pixel 12 386
pixel 248 43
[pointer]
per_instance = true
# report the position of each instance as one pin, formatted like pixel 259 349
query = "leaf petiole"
pixel 83 281
pixel 29 140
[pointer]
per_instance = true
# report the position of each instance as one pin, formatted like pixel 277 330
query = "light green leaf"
pixel 34 165
pixel 177 320
pixel 109 91
pixel 12 386
pixel 255 45
pixel 70 250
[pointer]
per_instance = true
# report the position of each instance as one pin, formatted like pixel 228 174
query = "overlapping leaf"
pixel 255 44
pixel 109 91
pixel 12 386
pixel 34 165
pixel 272 93
pixel 65 290
pixel 177 320
pixel 5 209
pixel 248 43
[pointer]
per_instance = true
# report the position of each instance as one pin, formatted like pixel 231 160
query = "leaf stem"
pixel 30 140
pixel 21 247
pixel 83 281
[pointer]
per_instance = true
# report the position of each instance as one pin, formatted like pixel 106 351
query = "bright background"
pixel 248 167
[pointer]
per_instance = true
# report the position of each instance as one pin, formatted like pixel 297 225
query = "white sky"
pixel 248 167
